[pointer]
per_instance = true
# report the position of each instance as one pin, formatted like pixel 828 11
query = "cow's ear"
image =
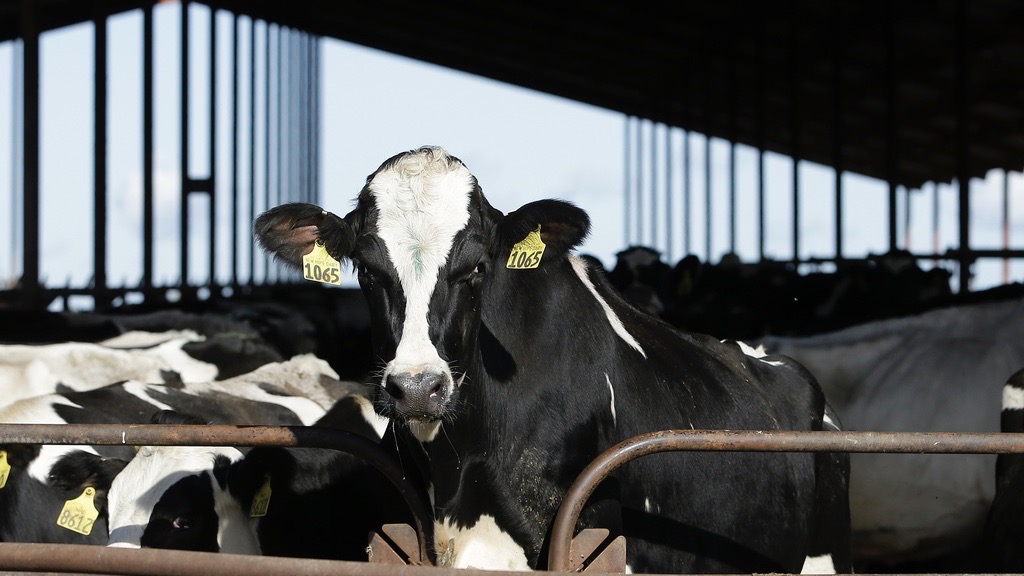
pixel 78 470
pixel 562 227
pixel 290 231
pixel 247 476
pixel 21 455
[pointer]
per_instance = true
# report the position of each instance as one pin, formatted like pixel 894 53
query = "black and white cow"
pixel 42 478
pixel 322 503
pixel 515 366
pixel 149 357
pixel 939 371
pixel 1004 529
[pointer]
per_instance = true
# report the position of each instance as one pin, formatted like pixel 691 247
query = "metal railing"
pixel 95 559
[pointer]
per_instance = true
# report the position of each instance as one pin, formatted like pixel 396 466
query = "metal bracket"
pixel 395 544
pixel 592 551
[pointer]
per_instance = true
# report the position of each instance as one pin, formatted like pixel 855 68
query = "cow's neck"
pixel 511 406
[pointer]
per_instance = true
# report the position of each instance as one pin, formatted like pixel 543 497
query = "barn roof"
pixel 908 92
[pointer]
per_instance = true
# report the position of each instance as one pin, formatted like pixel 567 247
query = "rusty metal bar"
pixel 225 435
pixel 758 441
pixel 83 558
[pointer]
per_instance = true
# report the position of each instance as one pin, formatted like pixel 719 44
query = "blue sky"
pixel 522 145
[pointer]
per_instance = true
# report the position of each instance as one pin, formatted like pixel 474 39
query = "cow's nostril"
pixel 392 387
pixel 435 388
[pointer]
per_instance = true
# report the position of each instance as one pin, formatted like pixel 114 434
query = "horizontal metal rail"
pixel 94 559
pixel 758 441
pixel 224 435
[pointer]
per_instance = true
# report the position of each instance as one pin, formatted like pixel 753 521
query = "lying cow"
pixel 43 478
pixel 317 503
pixel 940 371
pixel 515 364
pixel 147 357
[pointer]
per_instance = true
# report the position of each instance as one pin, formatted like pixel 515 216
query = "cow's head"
pixel 429 249
pixel 177 497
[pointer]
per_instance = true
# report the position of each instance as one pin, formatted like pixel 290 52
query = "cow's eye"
pixel 479 269
pixel 182 522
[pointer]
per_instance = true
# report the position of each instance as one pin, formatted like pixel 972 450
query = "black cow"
pixel 43 478
pixel 1004 530
pixel 515 365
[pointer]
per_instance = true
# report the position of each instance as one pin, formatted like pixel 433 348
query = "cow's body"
pixel 1004 529
pixel 515 379
pixel 172 356
pixel 295 392
pixel 322 503
pixel 940 371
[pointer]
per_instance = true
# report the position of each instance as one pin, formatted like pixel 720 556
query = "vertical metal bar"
pixel 314 115
pixel 962 77
pixel 17 152
pixel 212 191
pixel 30 149
pixel 760 129
pixel 794 56
pixel 654 184
pixel 147 147
pixel 99 232
pixel 935 221
pixel 668 194
pixel 639 236
pixel 732 145
pixel 252 146
pixel 906 217
pixel 838 128
pixel 1006 225
pixel 282 34
pixel 892 121
pixel 627 179
pixel 687 212
pixel 319 116
pixel 234 148
pixel 707 198
pixel 266 137
pixel 185 187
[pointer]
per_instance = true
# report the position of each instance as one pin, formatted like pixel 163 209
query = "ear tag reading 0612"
pixel 78 515
pixel 319 266
pixel 5 468
pixel 261 501
pixel 526 254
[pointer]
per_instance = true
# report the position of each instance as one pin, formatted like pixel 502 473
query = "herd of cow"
pixel 501 365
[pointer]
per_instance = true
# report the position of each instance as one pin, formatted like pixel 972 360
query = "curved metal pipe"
pixel 224 435
pixel 757 441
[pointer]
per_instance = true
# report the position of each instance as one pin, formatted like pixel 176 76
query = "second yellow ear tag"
pixel 261 501
pixel 319 266
pixel 526 254
pixel 78 515
pixel 5 468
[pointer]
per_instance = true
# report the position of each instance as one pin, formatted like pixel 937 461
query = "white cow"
pixel 939 371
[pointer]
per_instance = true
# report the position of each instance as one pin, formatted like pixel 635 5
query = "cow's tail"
pixel 830 532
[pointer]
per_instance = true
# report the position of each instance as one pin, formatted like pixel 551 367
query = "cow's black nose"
pixel 418 395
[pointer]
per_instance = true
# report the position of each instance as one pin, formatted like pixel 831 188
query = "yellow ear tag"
pixel 527 252
pixel 319 266
pixel 79 514
pixel 261 501
pixel 5 468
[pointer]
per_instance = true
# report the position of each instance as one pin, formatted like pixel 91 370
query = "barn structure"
pixel 919 95
pixel 923 95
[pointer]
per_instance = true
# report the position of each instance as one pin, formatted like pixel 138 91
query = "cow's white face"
pixel 423 238
pixel 171 497
pixel 420 260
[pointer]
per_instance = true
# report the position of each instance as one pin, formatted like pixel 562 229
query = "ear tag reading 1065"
pixel 261 501
pixel 319 266
pixel 526 254
pixel 5 468
pixel 78 515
